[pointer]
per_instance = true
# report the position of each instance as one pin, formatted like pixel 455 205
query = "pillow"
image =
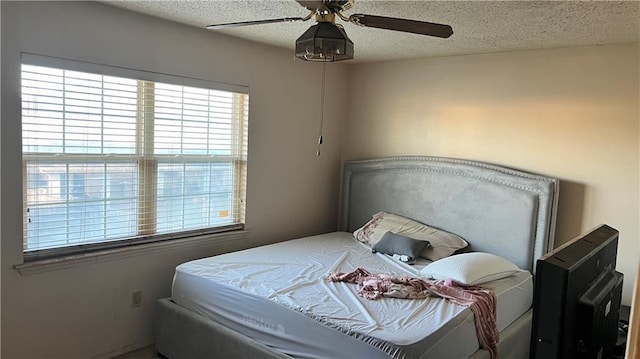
pixel 443 244
pixel 394 244
pixel 470 268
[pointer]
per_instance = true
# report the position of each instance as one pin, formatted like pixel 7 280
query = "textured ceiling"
pixel 479 26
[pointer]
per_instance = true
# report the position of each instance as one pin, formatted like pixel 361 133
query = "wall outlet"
pixel 136 299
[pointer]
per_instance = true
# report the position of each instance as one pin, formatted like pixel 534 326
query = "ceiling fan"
pixel 327 41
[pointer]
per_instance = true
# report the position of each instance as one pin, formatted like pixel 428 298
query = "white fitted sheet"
pixel 277 295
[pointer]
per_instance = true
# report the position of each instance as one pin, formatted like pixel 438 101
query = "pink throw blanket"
pixel 482 301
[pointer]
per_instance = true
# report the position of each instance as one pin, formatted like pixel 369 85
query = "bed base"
pixel 183 334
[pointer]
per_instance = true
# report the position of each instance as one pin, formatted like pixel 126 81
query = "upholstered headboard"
pixel 497 210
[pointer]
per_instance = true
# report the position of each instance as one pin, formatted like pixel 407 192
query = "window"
pixel 114 160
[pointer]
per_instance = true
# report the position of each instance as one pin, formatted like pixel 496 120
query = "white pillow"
pixel 443 243
pixel 470 268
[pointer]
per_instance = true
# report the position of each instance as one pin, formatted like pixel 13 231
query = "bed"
pixel 274 301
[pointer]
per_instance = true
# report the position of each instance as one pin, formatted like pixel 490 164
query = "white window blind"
pixel 115 160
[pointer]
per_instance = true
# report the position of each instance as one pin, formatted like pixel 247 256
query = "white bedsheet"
pixel 232 288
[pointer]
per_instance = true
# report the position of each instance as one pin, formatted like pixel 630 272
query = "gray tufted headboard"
pixel 497 210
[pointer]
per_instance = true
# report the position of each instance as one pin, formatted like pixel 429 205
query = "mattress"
pixel 277 295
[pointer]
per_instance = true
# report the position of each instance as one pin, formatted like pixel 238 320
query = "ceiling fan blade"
pixel 256 22
pixel 404 25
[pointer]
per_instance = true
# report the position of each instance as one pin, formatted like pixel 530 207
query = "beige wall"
pixel 85 311
pixel 571 113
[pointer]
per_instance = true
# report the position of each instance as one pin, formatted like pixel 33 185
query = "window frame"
pixel 146 182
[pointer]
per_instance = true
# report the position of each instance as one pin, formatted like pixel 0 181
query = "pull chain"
pixel 324 70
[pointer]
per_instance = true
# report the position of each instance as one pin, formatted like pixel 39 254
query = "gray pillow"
pixel 391 244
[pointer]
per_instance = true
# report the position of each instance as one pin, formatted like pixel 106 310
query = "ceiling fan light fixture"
pixel 324 42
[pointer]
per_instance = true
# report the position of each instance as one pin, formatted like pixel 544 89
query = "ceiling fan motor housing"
pixel 324 41
pixel 326 5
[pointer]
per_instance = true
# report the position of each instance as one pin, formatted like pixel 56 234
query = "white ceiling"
pixel 479 26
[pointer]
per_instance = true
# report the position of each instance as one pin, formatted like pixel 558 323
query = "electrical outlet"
pixel 136 299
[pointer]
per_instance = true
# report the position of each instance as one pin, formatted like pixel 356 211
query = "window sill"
pixel 76 260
